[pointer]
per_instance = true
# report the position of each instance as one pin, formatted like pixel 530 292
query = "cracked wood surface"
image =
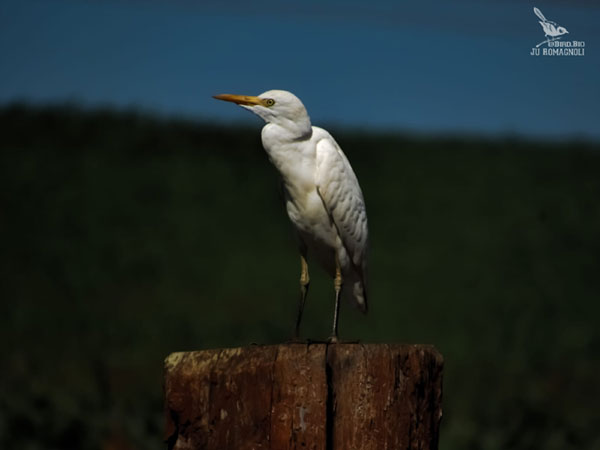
pixel 304 396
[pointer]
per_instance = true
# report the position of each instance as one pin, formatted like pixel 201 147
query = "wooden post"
pixel 304 396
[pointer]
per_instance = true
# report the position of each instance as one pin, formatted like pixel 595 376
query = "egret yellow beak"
pixel 240 99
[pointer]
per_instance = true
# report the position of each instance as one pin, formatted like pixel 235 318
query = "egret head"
pixel 279 107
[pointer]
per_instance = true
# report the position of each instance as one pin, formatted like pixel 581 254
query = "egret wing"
pixel 343 199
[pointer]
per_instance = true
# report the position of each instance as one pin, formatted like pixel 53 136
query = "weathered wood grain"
pixel 304 396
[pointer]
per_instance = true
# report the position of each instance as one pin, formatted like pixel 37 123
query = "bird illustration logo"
pixel 552 30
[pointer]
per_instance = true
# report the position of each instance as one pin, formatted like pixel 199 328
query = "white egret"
pixel 322 195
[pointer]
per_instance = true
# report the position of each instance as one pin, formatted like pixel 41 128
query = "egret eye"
pixel 269 102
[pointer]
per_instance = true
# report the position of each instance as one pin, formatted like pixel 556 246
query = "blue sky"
pixel 429 66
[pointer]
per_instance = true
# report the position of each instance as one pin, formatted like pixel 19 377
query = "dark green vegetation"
pixel 125 238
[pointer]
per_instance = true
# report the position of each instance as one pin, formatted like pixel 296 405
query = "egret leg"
pixel 304 283
pixel 337 283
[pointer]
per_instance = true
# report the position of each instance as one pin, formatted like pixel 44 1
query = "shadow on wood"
pixel 304 396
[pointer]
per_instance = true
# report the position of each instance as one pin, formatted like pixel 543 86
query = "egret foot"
pixel 337 340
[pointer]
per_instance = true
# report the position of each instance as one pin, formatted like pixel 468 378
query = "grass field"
pixel 127 237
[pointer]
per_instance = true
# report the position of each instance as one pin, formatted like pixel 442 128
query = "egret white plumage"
pixel 322 195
